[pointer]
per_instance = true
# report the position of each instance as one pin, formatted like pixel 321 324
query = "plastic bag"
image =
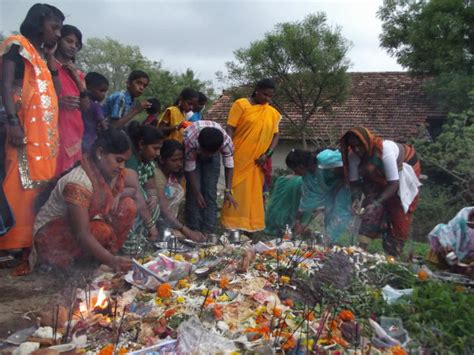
pixel 194 338
pixel 391 295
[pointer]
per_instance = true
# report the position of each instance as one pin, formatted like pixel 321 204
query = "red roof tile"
pixel 392 104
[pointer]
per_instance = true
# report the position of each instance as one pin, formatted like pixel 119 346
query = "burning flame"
pixel 101 301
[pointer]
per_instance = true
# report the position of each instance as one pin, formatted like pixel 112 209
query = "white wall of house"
pixel 282 150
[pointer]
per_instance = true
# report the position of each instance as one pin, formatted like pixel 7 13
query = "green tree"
pixel 112 59
pixel 167 85
pixel 436 38
pixel 308 61
pixel 116 60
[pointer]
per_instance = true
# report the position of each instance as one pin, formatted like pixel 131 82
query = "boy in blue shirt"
pixel 120 107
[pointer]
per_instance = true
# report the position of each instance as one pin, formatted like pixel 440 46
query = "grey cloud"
pixel 202 35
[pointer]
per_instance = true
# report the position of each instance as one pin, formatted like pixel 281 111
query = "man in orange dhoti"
pixel 253 126
pixel 32 111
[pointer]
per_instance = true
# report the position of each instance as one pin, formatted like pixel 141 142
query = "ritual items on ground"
pixel 282 297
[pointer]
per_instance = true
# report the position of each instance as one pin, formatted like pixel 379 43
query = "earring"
pixel 42 45
pixel 99 157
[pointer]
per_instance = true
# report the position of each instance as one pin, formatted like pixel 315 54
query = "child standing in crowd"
pixel 153 111
pixel 93 117
pixel 203 141
pixel 146 142
pixel 171 122
pixel 202 101
pixel 120 107
pixel 72 99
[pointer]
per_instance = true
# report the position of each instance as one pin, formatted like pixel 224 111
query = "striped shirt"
pixel 191 145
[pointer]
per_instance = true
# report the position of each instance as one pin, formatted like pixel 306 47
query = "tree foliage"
pixel 116 60
pixel 308 61
pixel 437 38
pixel 433 37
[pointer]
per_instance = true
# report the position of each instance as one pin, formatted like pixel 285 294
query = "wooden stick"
pixel 204 303
pixel 70 314
pixel 120 327
pixel 56 323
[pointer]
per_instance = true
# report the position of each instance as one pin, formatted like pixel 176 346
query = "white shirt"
pixel 389 158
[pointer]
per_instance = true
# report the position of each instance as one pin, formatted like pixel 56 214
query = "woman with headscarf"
pixel 387 174
pixel 29 95
pixel 453 243
pixel 323 190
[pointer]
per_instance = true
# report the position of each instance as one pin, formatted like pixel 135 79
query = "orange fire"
pixel 82 307
pixel 101 301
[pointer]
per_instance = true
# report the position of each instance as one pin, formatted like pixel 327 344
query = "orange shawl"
pixel 38 116
pixel 372 144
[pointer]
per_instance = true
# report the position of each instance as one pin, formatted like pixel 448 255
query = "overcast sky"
pixel 202 35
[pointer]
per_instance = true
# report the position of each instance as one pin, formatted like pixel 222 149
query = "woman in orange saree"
pixel 31 105
pixel 91 209
pixel 253 126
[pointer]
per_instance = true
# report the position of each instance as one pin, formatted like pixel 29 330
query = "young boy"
pixel 120 107
pixel 93 118
pixel 202 101
pixel 204 143
pixel 153 112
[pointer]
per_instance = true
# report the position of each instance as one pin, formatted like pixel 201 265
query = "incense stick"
pixel 120 327
pixel 69 318
pixel 204 302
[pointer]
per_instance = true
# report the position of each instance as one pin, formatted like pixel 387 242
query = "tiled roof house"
pixel 392 104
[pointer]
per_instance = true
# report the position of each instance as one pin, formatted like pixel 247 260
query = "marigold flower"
pixel 183 283
pixel 170 312
pixel 288 302
pixel 217 311
pixel 340 341
pixel 277 312
pixel 260 267
pixel 285 279
pixel 290 342
pixel 261 319
pixel 346 316
pixel 398 350
pixel 107 350
pixel 178 257
pixel 422 275
pixel 181 299
pixel 223 298
pixel 272 253
pixel 309 316
pixel 209 300
pixel 263 330
pixel 164 290
pixel 123 351
pixel 260 310
pixel 224 283
pixel 308 343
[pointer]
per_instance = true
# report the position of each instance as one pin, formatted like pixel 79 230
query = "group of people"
pixel 84 178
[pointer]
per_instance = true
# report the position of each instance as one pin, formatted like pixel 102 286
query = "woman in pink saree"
pixel 72 98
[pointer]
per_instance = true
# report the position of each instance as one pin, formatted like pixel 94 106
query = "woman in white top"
pixel 373 166
pixel 91 209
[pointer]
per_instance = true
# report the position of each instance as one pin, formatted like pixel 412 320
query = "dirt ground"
pixel 21 298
